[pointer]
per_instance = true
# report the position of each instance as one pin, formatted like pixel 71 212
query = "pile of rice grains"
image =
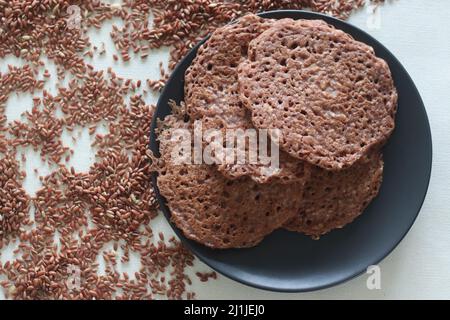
pixel 74 215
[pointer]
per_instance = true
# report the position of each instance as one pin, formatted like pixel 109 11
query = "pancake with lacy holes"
pixel 329 95
pixel 212 96
pixel 333 199
pixel 215 211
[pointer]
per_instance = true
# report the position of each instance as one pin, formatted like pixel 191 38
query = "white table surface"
pixel 418 33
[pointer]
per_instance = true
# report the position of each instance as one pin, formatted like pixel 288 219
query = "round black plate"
pixel 287 261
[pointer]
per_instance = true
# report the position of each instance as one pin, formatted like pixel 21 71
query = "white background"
pixel 418 33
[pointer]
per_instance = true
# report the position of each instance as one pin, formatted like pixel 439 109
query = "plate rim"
pixel 154 147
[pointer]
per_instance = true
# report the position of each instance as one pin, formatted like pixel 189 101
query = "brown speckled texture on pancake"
pixel 212 96
pixel 334 199
pixel 218 212
pixel 331 97
pixel 211 86
pixel 290 170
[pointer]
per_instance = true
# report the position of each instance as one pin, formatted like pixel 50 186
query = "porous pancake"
pixel 212 96
pixel 215 211
pixel 330 96
pixel 211 86
pixel 333 199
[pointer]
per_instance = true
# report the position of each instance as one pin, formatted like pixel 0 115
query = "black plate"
pixel 287 261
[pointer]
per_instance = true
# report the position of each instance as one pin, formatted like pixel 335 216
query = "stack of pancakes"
pixel 333 102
